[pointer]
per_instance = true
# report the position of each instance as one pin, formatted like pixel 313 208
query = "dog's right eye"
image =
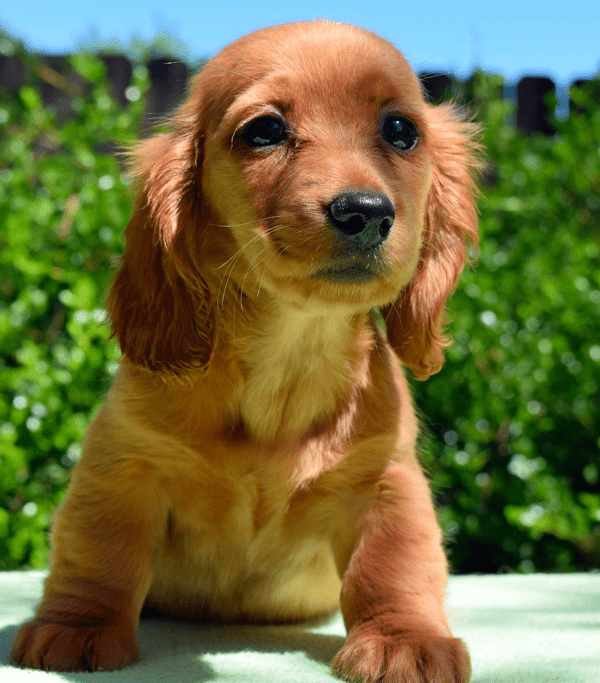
pixel 264 131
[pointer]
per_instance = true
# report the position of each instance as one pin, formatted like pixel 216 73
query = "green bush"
pixel 513 417
pixel 63 206
pixel 511 421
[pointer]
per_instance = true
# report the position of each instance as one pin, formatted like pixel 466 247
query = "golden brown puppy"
pixel 255 458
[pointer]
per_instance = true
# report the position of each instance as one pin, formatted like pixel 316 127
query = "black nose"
pixel 363 218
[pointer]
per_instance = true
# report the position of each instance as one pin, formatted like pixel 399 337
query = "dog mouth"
pixel 356 273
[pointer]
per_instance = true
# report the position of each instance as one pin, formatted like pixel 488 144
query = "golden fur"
pixel 256 453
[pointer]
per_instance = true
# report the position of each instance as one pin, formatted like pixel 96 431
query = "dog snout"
pixel 362 218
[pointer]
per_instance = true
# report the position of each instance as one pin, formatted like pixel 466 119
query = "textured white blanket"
pixel 519 629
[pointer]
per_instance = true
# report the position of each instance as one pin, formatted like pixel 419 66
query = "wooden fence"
pixel 168 81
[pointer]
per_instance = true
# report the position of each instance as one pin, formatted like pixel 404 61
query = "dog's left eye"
pixel 264 131
pixel 400 132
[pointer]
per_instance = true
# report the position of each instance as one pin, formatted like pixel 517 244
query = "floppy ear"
pixel 415 321
pixel 159 305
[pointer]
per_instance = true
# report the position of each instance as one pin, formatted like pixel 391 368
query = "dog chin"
pixel 348 289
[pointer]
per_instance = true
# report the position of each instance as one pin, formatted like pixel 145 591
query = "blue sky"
pixel 511 37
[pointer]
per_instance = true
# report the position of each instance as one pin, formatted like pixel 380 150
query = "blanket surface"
pixel 519 629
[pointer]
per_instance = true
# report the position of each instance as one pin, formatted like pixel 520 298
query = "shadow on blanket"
pixel 162 640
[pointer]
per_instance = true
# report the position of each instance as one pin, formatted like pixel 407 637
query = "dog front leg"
pixel 104 535
pixel 393 591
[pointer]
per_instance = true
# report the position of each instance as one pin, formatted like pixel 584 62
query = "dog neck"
pixel 298 365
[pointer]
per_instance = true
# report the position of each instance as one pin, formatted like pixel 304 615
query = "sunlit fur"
pixel 255 456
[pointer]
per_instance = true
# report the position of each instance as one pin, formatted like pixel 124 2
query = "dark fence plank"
pixel 61 84
pixel 12 73
pixel 118 71
pixel 438 87
pixel 168 79
pixel 533 115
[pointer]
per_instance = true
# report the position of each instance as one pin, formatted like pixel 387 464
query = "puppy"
pixel 294 240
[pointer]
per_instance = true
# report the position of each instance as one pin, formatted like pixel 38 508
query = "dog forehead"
pixel 320 59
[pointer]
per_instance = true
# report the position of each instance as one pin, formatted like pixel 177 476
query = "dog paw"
pixel 41 644
pixel 369 656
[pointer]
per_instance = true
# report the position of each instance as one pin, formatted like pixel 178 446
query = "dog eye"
pixel 400 132
pixel 264 131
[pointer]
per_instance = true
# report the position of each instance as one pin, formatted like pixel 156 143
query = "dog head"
pixel 306 159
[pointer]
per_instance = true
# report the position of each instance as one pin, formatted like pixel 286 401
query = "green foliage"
pixel 513 440
pixel 63 206
pixel 511 421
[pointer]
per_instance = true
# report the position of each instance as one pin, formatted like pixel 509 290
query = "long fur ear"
pixel 415 321
pixel 159 305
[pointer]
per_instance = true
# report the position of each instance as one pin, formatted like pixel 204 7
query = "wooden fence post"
pixel 118 71
pixel 12 73
pixel 438 87
pixel 533 114
pixel 168 81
